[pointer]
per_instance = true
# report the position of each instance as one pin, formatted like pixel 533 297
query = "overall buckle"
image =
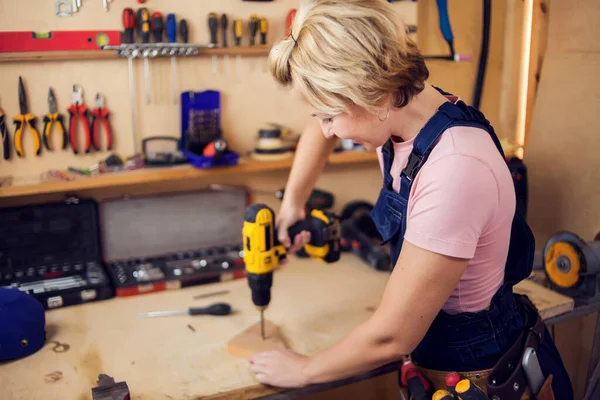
pixel 415 162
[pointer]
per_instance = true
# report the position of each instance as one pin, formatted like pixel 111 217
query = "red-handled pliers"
pixel 101 113
pixel 78 108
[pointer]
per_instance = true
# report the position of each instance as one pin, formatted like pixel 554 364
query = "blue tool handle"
pixel 445 20
pixel 172 28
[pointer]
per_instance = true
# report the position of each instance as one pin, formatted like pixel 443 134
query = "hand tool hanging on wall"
pixel 143 24
pixel 5 135
pixel 172 36
pixel 128 37
pixel 51 119
pixel 224 28
pixel 101 113
pixel 22 120
pixel 263 252
pixel 78 108
pixel 217 309
pixel 288 21
pixel 238 29
pixel 253 25
pixel 213 28
pixel 158 33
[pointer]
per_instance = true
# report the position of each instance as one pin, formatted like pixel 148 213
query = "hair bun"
pixel 279 60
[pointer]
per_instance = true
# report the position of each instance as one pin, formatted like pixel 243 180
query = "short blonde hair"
pixel 341 52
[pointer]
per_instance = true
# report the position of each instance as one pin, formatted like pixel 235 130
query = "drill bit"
pixel 262 323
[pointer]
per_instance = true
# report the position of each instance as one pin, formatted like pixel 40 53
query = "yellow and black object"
pixel 53 117
pixel 572 265
pixel 5 135
pixel 263 29
pixel 23 119
pixel 442 395
pixel 263 252
pixel 253 26
pixel 467 390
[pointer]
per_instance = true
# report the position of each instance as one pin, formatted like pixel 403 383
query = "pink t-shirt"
pixel 461 204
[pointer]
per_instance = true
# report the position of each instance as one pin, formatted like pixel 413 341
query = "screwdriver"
pixel 213 27
pixel 264 28
pixel 128 24
pixel 144 31
pixel 238 28
pixel 172 37
pixel 218 309
pixel 253 29
pixel 224 26
pixel 158 27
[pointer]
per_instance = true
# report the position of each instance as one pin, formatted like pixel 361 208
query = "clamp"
pixel 107 389
pixel 78 108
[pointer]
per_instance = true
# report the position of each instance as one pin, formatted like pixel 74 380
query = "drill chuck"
pixel 260 285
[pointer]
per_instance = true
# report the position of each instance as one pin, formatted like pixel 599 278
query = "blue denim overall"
pixel 466 341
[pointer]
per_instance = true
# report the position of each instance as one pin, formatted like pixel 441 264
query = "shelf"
pixel 176 173
pixel 83 55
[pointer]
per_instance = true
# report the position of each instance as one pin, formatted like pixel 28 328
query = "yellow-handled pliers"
pixel 25 118
pixel 51 118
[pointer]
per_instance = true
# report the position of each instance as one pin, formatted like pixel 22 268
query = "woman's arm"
pixel 418 287
pixel 311 155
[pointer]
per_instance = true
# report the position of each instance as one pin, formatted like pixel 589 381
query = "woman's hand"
pixel 288 215
pixel 283 368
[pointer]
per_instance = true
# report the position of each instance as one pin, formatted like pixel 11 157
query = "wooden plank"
pixel 154 175
pixel 13 57
pixel 107 337
pixel 539 40
pixel 548 302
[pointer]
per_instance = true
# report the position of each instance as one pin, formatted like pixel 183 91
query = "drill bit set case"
pixel 170 241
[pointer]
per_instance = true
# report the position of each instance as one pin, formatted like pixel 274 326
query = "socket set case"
pixel 52 252
pixel 171 241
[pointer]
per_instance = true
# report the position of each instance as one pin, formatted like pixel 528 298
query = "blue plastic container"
pixel 200 125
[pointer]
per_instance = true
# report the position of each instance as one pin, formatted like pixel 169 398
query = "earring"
pixel 386 117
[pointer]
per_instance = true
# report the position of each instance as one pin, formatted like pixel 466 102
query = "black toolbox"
pixel 52 252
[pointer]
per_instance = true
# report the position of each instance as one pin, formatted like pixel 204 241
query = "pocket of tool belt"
pixel 507 379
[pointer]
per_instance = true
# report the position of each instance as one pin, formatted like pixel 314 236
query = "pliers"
pixel 78 108
pixel 101 113
pixel 53 117
pixel 24 118
pixel 4 135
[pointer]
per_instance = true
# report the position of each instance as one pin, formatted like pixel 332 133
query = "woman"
pixel 447 206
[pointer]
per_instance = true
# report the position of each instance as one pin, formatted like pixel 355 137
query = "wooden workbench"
pixel 185 357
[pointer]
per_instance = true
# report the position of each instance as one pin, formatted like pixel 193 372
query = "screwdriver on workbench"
pixel 143 20
pixel 172 37
pixel 253 28
pixel 218 309
pixel 213 27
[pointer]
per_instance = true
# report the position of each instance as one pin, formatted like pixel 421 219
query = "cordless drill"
pixel 263 252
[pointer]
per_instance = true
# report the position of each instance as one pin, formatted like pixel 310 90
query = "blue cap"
pixel 22 323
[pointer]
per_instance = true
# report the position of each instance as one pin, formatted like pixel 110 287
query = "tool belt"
pixel 507 380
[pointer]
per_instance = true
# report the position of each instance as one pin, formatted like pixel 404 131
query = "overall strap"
pixel 449 114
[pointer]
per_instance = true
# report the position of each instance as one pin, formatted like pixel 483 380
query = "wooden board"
pixel 548 302
pixel 250 341
pixel 186 357
pixel 147 176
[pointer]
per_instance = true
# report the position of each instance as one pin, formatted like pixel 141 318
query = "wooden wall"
pixel 562 151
